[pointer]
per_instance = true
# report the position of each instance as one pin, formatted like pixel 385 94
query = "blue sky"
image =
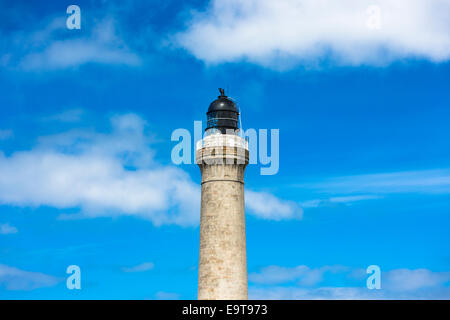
pixel 86 119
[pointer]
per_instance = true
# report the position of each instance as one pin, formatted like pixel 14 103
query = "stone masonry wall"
pixel 223 261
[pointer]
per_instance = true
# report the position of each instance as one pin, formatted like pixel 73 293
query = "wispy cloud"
pixel 280 33
pixel 162 295
pixel 410 280
pixel 102 46
pixel 6 228
pixel 425 181
pixel 322 293
pixel 15 279
pixel 53 47
pixel 6 134
pixel 71 115
pixel 145 266
pixel 302 274
pixel 267 206
pixel 337 200
pixel 270 283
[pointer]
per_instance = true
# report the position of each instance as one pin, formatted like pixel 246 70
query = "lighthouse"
pixel 222 156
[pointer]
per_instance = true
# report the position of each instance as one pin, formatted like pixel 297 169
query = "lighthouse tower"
pixel 222 156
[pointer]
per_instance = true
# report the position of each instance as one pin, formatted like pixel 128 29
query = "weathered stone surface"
pixel 223 261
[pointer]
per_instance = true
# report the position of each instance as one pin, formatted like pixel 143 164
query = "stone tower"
pixel 222 156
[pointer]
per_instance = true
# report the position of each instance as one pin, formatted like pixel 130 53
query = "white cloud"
pixel 88 170
pixel 7 229
pixel 145 266
pixel 278 33
pixel 110 175
pixel 102 44
pixel 15 279
pixel 266 206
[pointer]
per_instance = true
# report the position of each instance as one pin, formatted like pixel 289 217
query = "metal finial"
pixel 222 92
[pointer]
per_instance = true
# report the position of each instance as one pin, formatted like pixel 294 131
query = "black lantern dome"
pixel 222 114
